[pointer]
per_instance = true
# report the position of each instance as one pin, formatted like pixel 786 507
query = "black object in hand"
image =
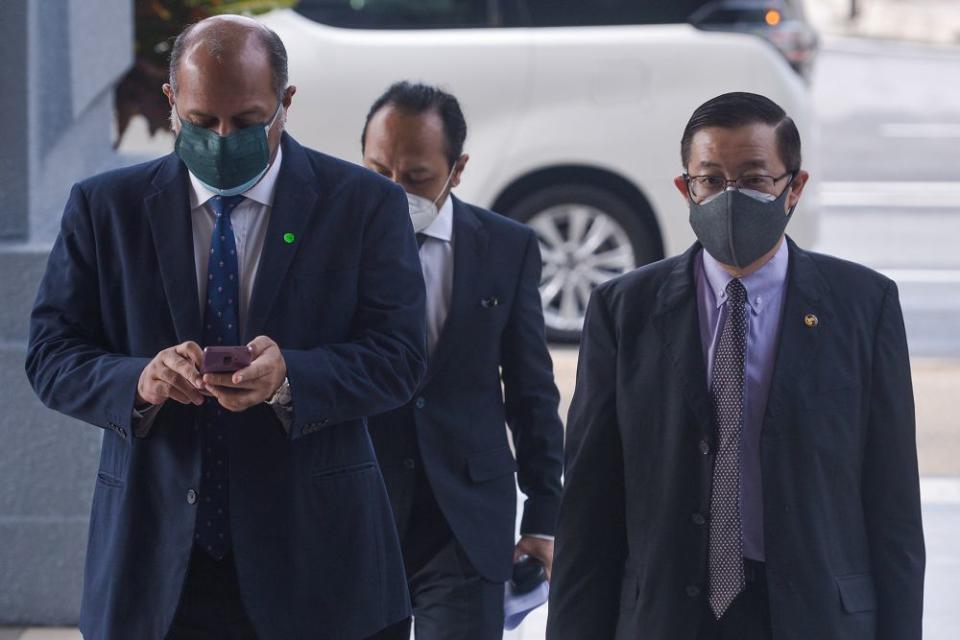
pixel 527 575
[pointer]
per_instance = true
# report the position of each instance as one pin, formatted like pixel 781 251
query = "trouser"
pixel 210 606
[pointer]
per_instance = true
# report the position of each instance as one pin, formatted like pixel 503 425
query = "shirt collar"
pixel 442 227
pixel 761 285
pixel 262 192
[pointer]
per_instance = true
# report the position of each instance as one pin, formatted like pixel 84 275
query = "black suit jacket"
pixel 844 544
pixel 313 535
pixel 493 334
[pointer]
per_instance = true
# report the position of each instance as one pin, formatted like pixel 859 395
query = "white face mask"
pixel 424 211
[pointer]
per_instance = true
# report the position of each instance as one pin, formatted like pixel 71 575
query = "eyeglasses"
pixel 703 187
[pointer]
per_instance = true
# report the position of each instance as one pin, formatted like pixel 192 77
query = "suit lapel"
pixel 798 353
pixel 677 321
pixel 168 212
pixel 295 198
pixel 469 248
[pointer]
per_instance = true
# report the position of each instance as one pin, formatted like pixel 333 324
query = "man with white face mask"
pixel 445 456
pixel 741 441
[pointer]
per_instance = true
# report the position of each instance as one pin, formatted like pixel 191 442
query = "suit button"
pixel 421 402
pixel 704 447
pixel 191 497
pixel 693 590
pixel 698 519
pixel 408 463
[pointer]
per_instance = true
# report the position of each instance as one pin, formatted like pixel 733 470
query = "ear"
pixel 458 168
pixel 681 186
pixel 288 96
pixel 168 91
pixel 796 188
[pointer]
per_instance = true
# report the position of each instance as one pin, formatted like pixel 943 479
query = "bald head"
pixel 228 73
pixel 229 42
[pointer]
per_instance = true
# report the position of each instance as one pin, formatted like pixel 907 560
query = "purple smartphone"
pixel 225 359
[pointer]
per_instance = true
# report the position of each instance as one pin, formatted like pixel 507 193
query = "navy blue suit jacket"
pixel 490 368
pixel 842 530
pixel 313 536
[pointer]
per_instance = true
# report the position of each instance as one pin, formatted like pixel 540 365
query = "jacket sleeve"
pixel 380 366
pixel 591 531
pixel 891 486
pixel 69 363
pixel 531 400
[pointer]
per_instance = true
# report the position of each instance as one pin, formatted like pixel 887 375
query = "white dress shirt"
pixel 249 221
pixel 436 259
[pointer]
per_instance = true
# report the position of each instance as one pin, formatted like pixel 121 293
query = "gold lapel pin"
pixel 811 320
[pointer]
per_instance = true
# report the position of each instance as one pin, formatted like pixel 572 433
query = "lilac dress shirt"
pixel 766 289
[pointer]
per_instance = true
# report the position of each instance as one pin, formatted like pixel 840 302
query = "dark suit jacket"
pixel 493 332
pixel 315 546
pixel 844 544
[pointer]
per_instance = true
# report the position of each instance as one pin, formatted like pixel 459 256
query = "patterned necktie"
pixel 726 542
pixel 219 328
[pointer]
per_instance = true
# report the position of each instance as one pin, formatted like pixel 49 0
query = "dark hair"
pixel 420 98
pixel 214 40
pixel 739 109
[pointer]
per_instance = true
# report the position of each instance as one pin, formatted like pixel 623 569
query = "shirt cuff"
pixel 143 419
pixel 284 413
pixel 539 536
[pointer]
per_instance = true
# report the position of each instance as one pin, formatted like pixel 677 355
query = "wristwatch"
pixel 282 395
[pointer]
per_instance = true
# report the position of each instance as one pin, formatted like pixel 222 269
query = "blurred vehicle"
pixel 575 111
pixel 781 22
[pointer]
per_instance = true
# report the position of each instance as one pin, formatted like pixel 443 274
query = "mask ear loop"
pixel 445 184
pixel 273 120
pixel 793 176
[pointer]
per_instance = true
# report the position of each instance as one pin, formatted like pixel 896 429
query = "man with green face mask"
pixel 234 501
pixel 741 441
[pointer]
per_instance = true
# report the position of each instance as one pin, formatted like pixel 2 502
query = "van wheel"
pixel 587 235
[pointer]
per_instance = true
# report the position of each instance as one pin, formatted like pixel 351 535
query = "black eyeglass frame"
pixel 687 178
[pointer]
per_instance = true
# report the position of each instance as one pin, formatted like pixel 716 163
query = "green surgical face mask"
pixel 226 165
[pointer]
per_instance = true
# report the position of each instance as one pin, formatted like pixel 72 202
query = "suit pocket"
pixel 109 480
pixel 857 593
pixel 491 464
pixel 344 471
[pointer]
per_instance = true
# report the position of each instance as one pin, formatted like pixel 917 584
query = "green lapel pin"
pixel 289 238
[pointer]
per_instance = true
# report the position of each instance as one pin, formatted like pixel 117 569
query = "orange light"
pixel 773 17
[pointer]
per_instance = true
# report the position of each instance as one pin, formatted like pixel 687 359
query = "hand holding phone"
pixel 225 359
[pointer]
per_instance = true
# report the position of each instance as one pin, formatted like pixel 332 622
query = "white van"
pixel 574 110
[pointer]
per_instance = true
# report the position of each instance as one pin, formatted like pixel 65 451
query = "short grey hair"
pixel 214 41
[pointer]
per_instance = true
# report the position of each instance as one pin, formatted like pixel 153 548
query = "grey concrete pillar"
pixel 59 60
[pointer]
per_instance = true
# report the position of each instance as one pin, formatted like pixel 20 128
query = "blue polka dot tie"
pixel 726 541
pixel 219 328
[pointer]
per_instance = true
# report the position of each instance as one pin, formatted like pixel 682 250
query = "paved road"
pixel 890 175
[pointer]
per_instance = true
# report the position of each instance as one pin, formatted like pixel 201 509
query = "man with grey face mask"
pixel 742 440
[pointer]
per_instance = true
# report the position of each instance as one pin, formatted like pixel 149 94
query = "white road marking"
pixel 912 195
pixel 920 130
pixel 940 491
pixel 923 276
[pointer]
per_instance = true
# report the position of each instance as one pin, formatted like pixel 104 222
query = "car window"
pixel 581 13
pixel 401 14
